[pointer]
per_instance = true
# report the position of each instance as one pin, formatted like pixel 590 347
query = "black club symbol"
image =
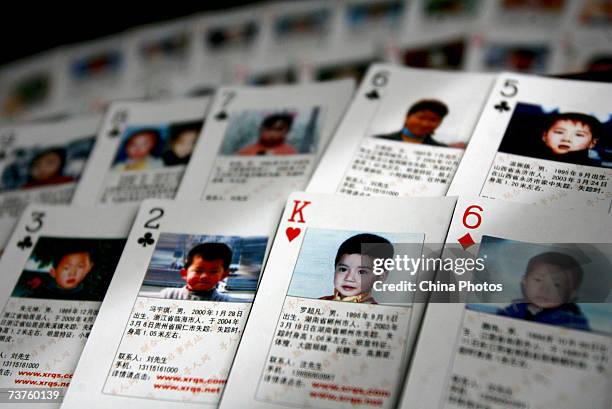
pixel 372 94
pixel 221 116
pixel 146 240
pixel 26 243
pixel 502 106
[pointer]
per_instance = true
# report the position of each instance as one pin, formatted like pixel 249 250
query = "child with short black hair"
pixel 354 267
pixel 273 133
pixel 550 285
pixel 47 168
pixel 206 265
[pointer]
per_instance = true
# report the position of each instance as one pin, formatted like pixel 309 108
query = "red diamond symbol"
pixel 466 241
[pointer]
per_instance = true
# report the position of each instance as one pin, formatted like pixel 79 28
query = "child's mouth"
pixel 564 147
pixel 348 288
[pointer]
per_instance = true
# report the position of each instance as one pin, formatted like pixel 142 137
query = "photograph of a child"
pixel 338 265
pixel 232 36
pixel 548 285
pixel 447 55
pixel 570 137
pixel 532 58
pixel 40 166
pixel 309 23
pixel 383 13
pixel 156 146
pixel 420 124
pixel 69 269
pixel 204 268
pixel 272 132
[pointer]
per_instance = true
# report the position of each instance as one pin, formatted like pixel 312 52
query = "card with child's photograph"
pixel 29 89
pixel 536 143
pixel 260 145
pixel 177 306
pixel 142 151
pixel 534 311
pixel 332 303
pixel 42 163
pixel 97 73
pixel 56 269
pixel 404 133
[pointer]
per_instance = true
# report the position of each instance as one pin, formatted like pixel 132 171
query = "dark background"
pixel 28 28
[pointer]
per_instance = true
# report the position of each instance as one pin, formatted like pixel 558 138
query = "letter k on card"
pixel 297 216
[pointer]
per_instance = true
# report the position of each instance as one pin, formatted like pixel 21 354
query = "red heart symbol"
pixel 292 232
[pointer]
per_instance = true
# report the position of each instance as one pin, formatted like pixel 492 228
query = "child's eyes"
pixel 341 269
pixel 363 272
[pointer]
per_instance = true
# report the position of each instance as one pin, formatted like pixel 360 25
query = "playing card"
pixel 42 163
pixel 442 17
pixel 505 49
pixel 29 89
pixel 262 143
pixel 587 51
pixel 162 53
pixel 404 133
pixel 142 151
pixel 226 38
pixel 330 327
pixel 541 140
pixel 540 336
pixel 96 73
pixel 55 272
pixel 171 323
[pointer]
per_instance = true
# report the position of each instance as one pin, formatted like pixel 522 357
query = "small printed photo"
pixel 526 58
pixel 339 265
pixel 448 55
pixel 100 65
pixel 420 126
pixel 234 36
pixel 146 147
pixel 284 131
pixel 204 268
pixel 565 285
pixel 596 13
pixel 69 269
pixel 441 9
pixel 28 92
pixel 354 70
pixel 381 13
pixel 171 46
pixel 275 77
pixel 312 23
pixel 542 6
pixel 578 138
pixel 43 166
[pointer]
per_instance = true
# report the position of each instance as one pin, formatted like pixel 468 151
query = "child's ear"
pixel 183 272
pixel 52 272
pixel 593 143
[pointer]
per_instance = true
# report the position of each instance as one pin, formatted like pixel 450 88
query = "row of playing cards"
pixel 225 289
pixel 199 305
pixel 289 42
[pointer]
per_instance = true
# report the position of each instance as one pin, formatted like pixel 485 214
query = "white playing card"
pixel 527 345
pixel 225 38
pixel 323 332
pixel 142 151
pixel 404 133
pixel 171 323
pixel 505 49
pixel 541 140
pixel 262 143
pixel 162 53
pixel 30 89
pixel 96 73
pixel 55 272
pixel 42 163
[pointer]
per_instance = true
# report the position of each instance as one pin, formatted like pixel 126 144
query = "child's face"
pixel 184 143
pixel 140 145
pixel 274 135
pixel 46 166
pixel 566 136
pixel 354 274
pixel 547 286
pixel 71 270
pixel 422 123
pixel 203 275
